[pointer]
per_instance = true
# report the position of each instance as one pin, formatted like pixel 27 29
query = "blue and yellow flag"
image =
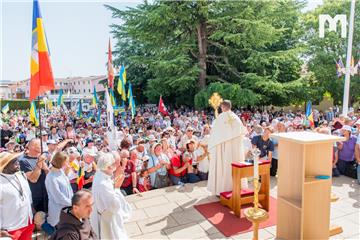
pixel 33 117
pixel 95 99
pixel 131 102
pixel 5 109
pixel 309 113
pixel 121 85
pixel 122 74
pixel 112 97
pixel 61 98
pixel 79 111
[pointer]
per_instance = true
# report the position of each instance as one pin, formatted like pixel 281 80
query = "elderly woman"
pixel 158 167
pixel 58 187
pixel 345 154
pixel 110 207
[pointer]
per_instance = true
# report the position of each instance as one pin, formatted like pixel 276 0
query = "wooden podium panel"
pixel 303 210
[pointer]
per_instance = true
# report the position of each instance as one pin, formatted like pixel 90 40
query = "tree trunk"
pixel 202 43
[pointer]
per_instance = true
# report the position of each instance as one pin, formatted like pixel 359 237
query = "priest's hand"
pixel 4 233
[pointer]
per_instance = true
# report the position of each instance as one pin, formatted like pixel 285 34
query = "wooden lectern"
pixel 303 206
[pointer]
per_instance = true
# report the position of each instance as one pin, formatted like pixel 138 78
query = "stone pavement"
pixel 169 213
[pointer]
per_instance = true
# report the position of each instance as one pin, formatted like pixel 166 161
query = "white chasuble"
pixel 226 145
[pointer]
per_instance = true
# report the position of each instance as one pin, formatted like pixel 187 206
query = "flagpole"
pixel 40 125
pixel 348 59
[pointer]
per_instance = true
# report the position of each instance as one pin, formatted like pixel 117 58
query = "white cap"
pixel 347 128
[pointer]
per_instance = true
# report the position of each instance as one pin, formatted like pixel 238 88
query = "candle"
pixel 256 167
pixel 256 154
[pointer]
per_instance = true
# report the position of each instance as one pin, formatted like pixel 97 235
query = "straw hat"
pixel 6 157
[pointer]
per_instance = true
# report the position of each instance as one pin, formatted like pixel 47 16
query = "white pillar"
pixel 348 60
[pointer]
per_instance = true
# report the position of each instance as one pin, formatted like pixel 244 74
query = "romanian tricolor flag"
pixel 309 114
pixel 81 175
pixel 42 79
pixel 61 98
pixel 95 99
pixel 110 68
pixel 33 117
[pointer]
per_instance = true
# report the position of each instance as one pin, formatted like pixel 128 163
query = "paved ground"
pixel 170 214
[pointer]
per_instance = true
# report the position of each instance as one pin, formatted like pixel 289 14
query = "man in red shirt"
pixel 129 185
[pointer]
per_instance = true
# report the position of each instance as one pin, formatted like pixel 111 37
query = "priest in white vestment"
pixel 226 145
pixel 111 209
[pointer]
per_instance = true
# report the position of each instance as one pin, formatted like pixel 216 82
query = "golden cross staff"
pixel 215 101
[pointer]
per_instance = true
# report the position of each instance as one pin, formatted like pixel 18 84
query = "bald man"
pixel 34 166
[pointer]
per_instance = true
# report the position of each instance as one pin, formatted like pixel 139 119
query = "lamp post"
pixel 348 60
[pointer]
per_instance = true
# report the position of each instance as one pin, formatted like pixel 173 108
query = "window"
pixel 89 90
pixel 84 90
pixel 89 82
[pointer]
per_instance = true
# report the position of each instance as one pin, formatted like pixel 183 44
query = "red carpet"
pixel 227 223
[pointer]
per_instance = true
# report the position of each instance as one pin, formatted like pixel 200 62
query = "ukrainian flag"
pixel 123 74
pixel 95 99
pixel 79 111
pixel 61 98
pixel 112 98
pixel 309 113
pixel 33 117
pixel 121 85
pixel 131 103
pixel 5 109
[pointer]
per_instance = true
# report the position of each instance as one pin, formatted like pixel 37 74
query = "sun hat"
pixel 6 157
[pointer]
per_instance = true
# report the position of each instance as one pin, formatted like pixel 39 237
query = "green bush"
pixel 18 104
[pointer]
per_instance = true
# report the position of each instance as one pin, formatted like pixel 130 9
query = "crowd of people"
pixel 74 174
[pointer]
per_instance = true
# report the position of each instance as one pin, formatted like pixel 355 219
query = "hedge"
pixel 18 104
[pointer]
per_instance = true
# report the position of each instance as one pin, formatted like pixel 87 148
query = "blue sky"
pixel 77 33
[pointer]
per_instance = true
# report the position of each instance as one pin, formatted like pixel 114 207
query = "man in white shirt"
pixel 15 199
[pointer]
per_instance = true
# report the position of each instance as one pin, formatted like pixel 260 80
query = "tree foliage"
pixel 248 51
pixel 323 52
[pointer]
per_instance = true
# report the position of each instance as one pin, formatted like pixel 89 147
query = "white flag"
pixel 110 122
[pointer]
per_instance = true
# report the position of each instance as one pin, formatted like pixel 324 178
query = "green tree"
pixel 322 53
pixel 178 48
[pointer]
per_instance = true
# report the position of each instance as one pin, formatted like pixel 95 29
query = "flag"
pixel 50 104
pixel 128 95
pixel 162 107
pixel 79 111
pixel 95 99
pixel 353 69
pixel 42 79
pixel 112 97
pixel 340 68
pixel 122 74
pixel 309 113
pixel 81 175
pixel 33 117
pixel 121 86
pixel 109 110
pixel 60 98
pixel 5 109
pixel 131 102
pixel 110 68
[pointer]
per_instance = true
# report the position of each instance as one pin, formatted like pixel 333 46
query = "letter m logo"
pixel 332 24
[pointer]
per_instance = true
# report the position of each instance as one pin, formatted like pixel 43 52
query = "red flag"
pixel 162 107
pixel 42 79
pixel 110 68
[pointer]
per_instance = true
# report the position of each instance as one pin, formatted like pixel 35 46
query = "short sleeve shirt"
pixel 264 146
pixel 38 189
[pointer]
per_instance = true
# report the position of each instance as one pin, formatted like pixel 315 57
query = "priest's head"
pixel 225 106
